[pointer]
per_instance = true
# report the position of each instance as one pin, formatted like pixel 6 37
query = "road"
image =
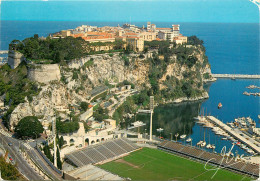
pixel 22 164
pixel 24 168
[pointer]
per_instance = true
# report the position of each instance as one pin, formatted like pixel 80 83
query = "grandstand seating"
pixel 100 152
pixel 199 154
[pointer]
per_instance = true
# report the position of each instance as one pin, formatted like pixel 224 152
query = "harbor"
pixel 235 135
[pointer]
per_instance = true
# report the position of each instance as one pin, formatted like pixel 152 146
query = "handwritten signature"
pixel 227 160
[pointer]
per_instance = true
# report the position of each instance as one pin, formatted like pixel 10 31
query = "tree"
pixel 75 75
pixel 194 40
pixel 8 171
pixel 29 126
pixel 59 164
pixel 84 106
pixel 61 141
pixel 47 152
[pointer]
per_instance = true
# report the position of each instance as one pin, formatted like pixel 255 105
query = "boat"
pixel 213 147
pixel 183 136
pixel 209 146
pixel 219 105
pixel 246 93
pixel 199 143
pixel 188 140
pixel 225 138
pixel 203 144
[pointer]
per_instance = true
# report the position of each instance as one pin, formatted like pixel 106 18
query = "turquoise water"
pixel 231 48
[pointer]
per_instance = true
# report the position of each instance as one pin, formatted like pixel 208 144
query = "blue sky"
pixel 226 11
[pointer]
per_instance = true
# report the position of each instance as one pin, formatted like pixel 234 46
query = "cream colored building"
pixel 136 43
pixel 65 33
pixel 102 48
pixel 180 39
pixel 148 36
pixel 166 35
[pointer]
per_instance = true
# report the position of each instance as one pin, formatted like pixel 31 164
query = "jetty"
pixel 3 51
pixel 236 76
pixel 231 132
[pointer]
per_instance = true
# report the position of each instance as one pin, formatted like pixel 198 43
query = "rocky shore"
pixel 204 95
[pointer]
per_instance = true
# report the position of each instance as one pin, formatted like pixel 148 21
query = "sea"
pixel 232 48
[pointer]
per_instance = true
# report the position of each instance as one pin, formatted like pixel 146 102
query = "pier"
pixel 236 76
pixel 231 132
pixel 3 51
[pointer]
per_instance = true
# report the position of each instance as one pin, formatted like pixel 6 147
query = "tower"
pixel 54 141
pixel 151 117
pixel 148 26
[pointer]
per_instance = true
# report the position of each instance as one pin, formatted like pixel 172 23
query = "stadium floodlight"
pixel 151 118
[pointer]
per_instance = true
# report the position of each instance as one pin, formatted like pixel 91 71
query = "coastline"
pixel 204 95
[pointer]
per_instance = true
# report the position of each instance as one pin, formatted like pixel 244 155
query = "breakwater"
pixel 236 76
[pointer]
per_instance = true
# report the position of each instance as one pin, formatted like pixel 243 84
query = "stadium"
pixel 122 158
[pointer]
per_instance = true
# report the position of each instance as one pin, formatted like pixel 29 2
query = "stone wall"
pixel 15 58
pixel 44 73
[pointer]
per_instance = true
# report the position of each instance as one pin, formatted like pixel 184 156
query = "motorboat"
pixel 209 146
pixel 199 143
pixel 213 147
pixel 183 136
pixel 219 105
pixel 188 140
pixel 203 144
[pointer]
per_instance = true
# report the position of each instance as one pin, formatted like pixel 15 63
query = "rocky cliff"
pixel 79 77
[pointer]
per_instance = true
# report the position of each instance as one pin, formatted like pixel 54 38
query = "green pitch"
pixel 153 164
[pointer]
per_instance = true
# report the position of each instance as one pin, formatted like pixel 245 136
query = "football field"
pixel 154 164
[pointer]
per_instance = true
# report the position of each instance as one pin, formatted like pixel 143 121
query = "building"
pixel 176 30
pixel 65 33
pixel 166 35
pixel 148 36
pixel 148 27
pixel 131 27
pixel 153 27
pixel 86 28
pixel 180 39
pixel 102 48
pixel 136 43
pixel 163 30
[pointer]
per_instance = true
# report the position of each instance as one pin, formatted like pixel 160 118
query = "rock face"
pixel 15 58
pixel 52 97
pixel 114 69
pixel 91 72
pixel 44 73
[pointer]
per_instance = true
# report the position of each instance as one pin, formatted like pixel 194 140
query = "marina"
pixel 232 134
